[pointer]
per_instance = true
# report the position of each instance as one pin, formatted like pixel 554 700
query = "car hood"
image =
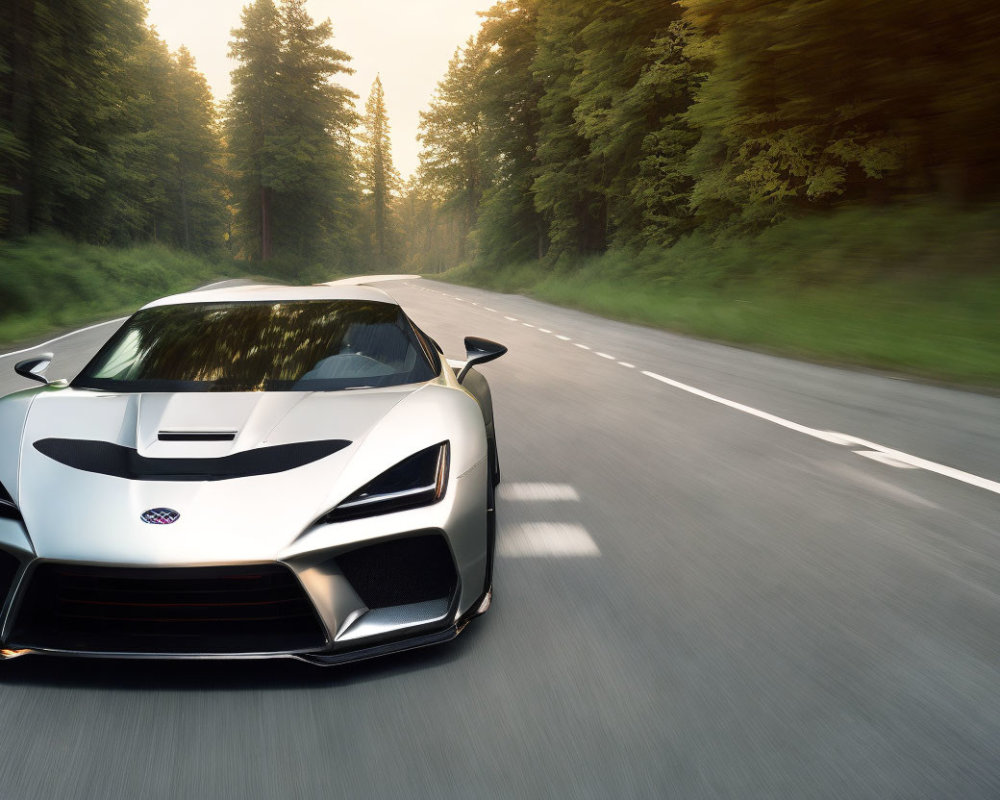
pixel 73 511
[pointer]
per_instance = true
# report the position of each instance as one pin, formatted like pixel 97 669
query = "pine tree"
pixel 252 123
pixel 380 181
pixel 195 180
pixel 12 154
pixel 509 228
pixel 311 159
pixel 288 128
pixel 62 107
pixel 621 99
pixel 450 132
pixel 567 189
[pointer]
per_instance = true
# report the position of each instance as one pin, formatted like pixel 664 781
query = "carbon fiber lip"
pixel 316 659
pixel 13 651
pixel 361 654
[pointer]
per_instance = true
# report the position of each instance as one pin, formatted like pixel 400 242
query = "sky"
pixel 408 42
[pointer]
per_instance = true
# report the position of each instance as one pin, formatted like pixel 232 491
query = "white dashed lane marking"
pixel 529 492
pixel 64 336
pixel 562 338
pixel 581 346
pixel 627 365
pixel 605 355
pixel 547 539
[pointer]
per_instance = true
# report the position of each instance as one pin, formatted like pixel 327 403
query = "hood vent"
pixel 196 436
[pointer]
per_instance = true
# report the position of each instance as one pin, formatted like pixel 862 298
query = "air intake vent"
pixel 8 569
pixel 246 609
pixel 401 571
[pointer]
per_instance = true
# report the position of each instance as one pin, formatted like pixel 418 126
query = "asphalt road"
pixel 701 592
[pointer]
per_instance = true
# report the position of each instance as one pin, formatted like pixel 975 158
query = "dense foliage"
pixel 564 129
pixel 48 282
pixel 109 138
pixel 569 127
pixel 104 134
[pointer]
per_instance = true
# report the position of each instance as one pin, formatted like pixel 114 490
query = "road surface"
pixel 721 575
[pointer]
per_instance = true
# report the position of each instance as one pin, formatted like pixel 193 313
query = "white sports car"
pixel 255 472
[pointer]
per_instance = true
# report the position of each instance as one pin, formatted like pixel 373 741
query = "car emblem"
pixel 160 516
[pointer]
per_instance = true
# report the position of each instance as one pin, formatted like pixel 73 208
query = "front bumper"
pixel 370 600
pixel 321 659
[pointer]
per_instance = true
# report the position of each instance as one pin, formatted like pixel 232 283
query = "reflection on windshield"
pixel 309 345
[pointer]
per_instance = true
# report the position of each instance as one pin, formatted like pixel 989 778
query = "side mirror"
pixel 33 368
pixel 479 351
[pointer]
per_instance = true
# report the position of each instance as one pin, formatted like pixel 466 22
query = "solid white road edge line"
pixel 836 438
pixel 92 327
pixel 882 458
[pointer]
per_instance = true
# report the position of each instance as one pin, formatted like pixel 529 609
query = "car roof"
pixel 270 293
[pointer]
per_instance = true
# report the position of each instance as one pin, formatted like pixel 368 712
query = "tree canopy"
pixel 562 129
pixel 104 134
pixel 288 129
pixel 630 123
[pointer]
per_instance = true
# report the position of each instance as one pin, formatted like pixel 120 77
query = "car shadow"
pixel 233 675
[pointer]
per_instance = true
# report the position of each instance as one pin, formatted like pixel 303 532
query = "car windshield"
pixel 304 345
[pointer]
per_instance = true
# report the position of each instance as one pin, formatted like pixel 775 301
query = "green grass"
pixel 911 290
pixel 48 283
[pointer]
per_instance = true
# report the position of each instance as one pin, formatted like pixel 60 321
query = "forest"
pixel 694 143
pixel 568 127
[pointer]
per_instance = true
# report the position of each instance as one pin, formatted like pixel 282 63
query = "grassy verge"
pixel 48 283
pixel 912 290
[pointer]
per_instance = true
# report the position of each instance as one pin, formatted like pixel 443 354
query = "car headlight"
pixel 419 480
pixel 8 509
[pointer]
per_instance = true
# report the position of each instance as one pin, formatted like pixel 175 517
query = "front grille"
pixel 245 609
pixel 401 571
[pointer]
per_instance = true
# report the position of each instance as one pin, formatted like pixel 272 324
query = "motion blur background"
pixel 817 178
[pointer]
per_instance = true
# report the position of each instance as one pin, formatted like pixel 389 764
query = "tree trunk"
pixel 265 223
pixel 185 218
